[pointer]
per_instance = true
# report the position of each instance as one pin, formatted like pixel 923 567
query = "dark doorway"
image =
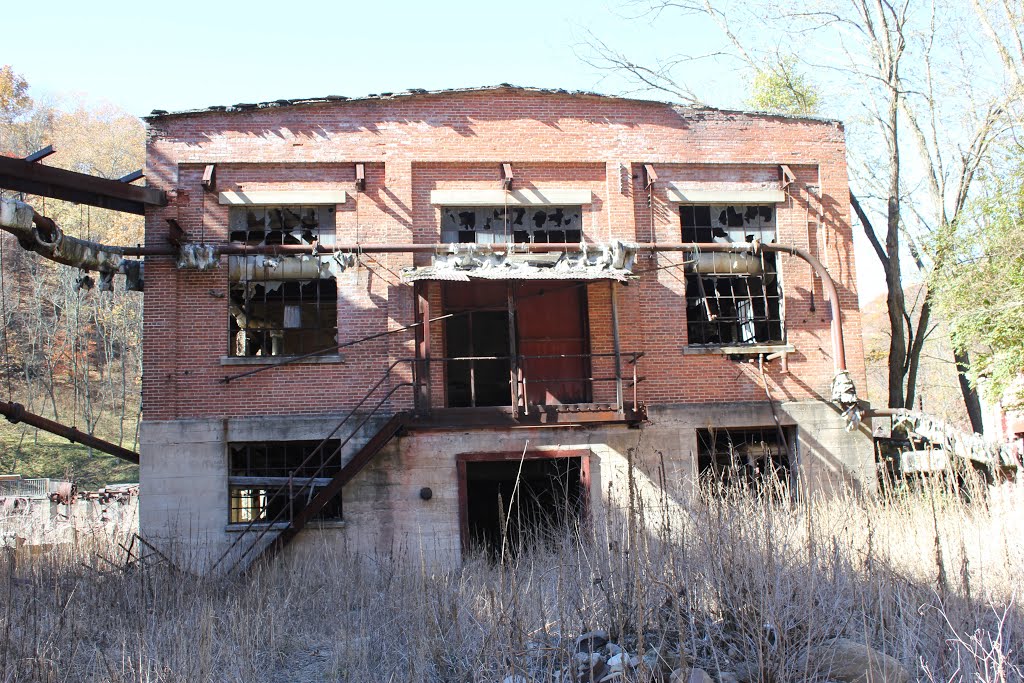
pixel 480 330
pixel 551 496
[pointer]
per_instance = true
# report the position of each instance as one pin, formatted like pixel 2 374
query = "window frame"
pixel 734 226
pixel 245 329
pixel 272 482
pixel 522 215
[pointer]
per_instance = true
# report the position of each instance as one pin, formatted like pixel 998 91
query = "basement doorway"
pixel 497 515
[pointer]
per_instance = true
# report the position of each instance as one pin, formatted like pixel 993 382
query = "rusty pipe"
pixel 46 227
pixel 15 413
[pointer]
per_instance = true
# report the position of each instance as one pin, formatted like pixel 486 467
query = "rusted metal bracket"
pixel 786 176
pixel 176 234
pixel 41 154
pixel 650 176
pixel 132 177
pixel 361 177
pixel 209 181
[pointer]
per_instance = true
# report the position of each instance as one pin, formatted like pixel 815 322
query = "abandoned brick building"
pixel 383 310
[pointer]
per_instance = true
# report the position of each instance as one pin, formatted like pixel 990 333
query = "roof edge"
pixel 162 114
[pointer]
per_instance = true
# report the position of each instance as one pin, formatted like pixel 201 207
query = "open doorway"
pixel 544 343
pixel 510 502
pixel 479 332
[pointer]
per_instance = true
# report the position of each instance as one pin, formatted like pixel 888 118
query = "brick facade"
pixel 412 145
pixel 415 144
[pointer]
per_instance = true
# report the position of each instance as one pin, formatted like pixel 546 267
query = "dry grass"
pixel 721 581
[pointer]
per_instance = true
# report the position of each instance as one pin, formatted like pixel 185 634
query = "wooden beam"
pixel 46 181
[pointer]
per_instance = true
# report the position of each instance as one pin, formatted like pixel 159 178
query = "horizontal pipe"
pixel 15 413
pixel 45 228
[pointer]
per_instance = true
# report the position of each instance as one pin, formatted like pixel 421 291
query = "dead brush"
pixel 732 580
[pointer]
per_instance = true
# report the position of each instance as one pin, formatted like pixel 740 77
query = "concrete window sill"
pixel 745 350
pixel 281 526
pixel 259 526
pixel 327 358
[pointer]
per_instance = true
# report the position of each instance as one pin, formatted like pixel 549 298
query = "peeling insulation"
pixel 42 236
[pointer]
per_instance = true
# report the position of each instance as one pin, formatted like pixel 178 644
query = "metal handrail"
pixel 632 358
pixel 267 525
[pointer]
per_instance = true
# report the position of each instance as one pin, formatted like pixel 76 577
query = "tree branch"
pixel 869 230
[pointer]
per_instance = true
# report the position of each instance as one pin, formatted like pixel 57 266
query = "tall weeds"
pixel 734 580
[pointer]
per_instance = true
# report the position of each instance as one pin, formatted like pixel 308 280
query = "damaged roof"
pixel 157 114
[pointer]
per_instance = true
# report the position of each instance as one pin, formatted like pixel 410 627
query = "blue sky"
pixel 142 56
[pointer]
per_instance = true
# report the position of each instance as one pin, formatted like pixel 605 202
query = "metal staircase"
pixel 263 537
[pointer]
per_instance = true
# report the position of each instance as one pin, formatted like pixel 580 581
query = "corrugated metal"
pixel 517 273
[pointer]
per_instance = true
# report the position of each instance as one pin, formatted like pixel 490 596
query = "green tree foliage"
pixel 982 296
pixel 780 88
pixel 14 98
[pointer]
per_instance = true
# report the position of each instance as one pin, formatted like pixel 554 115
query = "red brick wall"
pixel 413 145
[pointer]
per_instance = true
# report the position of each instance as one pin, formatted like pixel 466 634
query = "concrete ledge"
pixel 327 358
pixel 743 350
pixel 281 526
pixel 283 197
pixel 684 195
pixel 512 198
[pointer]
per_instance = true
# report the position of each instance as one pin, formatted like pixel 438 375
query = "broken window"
pixel 275 318
pixel 271 481
pixel 284 305
pixel 753 456
pixel 269 225
pixel 732 299
pixel 524 224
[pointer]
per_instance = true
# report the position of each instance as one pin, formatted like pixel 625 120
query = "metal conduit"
pixel 44 227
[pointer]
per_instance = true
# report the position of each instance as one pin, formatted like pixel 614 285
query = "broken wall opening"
pixel 286 305
pixel 262 477
pixel 512 503
pixel 277 318
pixel 519 224
pixel 731 299
pixel 755 457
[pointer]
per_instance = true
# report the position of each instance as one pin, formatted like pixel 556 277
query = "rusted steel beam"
pixel 15 413
pixel 41 154
pixel 132 177
pixel 58 183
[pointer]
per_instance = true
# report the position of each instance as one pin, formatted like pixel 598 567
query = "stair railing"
pixel 266 526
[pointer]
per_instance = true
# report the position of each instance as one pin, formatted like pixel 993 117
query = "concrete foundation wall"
pixel 184 496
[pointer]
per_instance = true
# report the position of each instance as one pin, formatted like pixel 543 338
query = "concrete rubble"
pixel 593 657
pixel 38 514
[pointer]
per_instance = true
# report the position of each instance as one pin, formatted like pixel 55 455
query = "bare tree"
pixel 915 81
